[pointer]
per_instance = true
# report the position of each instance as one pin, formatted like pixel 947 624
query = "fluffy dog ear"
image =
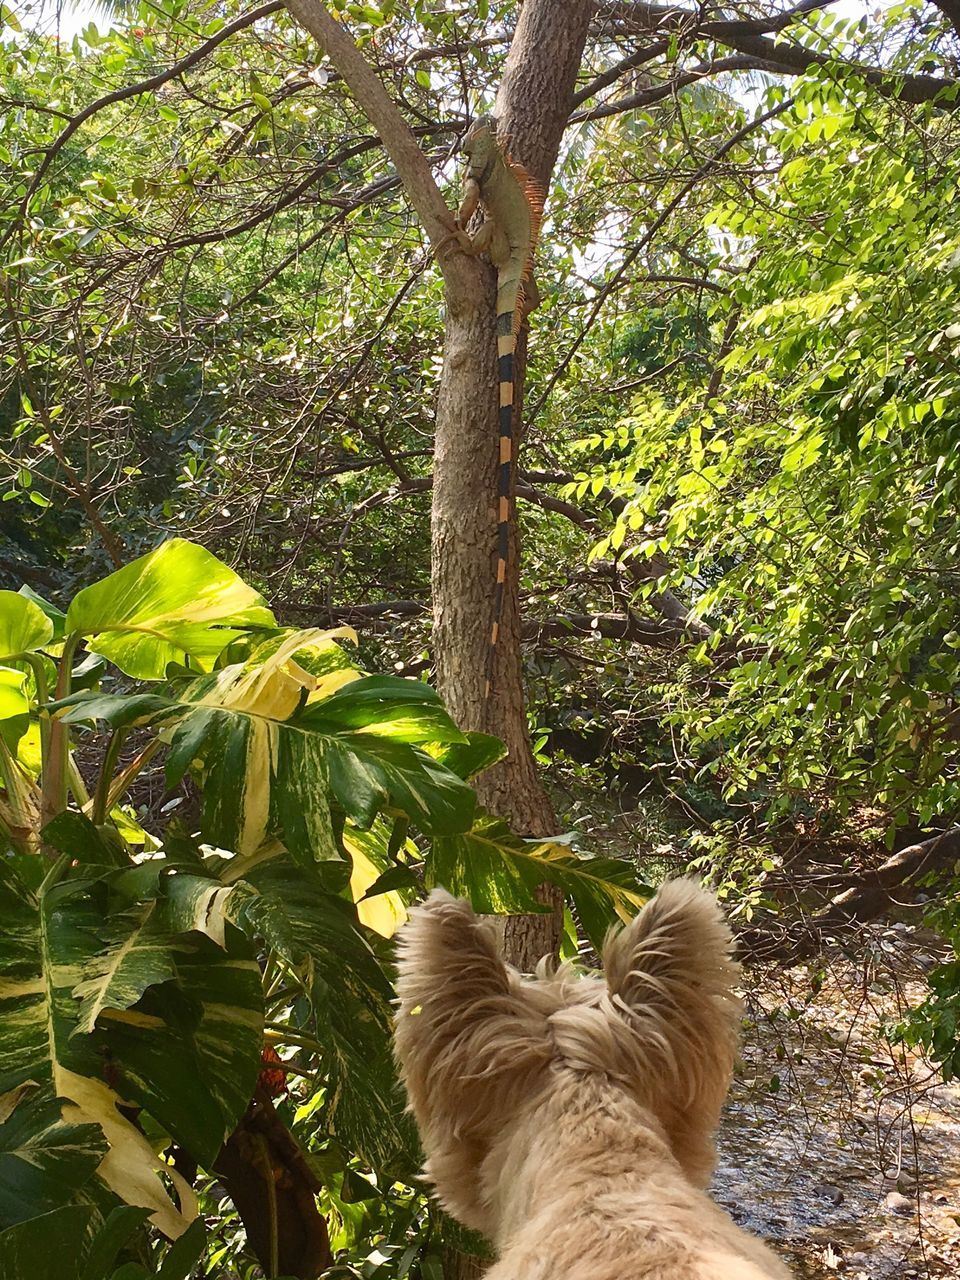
pixel 670 975
pixel 462 1029
pixel 447 961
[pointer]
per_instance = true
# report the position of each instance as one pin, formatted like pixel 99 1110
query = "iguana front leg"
pixel 457 241
pixel 469 202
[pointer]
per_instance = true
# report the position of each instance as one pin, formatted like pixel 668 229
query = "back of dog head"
pixel 476 1042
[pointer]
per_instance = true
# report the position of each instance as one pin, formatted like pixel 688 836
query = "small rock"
pixel 827 1191
pixel 896 1202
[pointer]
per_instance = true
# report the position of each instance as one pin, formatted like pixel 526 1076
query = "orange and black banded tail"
pixel 506 348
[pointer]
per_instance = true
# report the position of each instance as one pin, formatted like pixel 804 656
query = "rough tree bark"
pixel 532 107
pixel 534 103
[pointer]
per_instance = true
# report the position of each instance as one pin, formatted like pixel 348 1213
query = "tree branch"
pixel 608 626
pixel 634 251
pixel 383 114
pixel 867 899
pixel 748 36
pixel 656 93
pixel 642 572
pixel 134 91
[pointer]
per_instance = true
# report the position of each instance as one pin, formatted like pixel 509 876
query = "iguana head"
pixel 479 143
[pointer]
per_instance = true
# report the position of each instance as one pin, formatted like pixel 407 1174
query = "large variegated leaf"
pixel 24 627
pixel 499 873
pixel 271 762
pixel 390 707
pixel 61 1126
pixel 174 603
pixel 383 912
pixel 318 934
pixel 102 1001
pixel 44 1161
pixel 176 1003
pixel 19 799
pixel 48 1246
pixel 477 752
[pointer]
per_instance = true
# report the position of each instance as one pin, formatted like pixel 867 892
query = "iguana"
pixel 513 203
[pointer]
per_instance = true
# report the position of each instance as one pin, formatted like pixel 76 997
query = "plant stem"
pixel 40 680
pixel 101 798
pixel 123 779
pixel 277 1034
pixel 54 778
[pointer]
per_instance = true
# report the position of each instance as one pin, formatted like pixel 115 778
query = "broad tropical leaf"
pixel 14 706
pixel 118 1227
pixel 179 1013
pixel 499 873
pixel 270 763
pixel 24 627
pixel 318 935
pixel 60 1126
pixel 383 912
pixel 98 999
pixel 46 1247
pixel 174 603
pixel 478 751
pixel 57 617
pixel 44 1161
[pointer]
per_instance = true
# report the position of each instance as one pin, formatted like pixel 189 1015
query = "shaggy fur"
pixel 571 1119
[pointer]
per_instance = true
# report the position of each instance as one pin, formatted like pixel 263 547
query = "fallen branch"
pixel 871 895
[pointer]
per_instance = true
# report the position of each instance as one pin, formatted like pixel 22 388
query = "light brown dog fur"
pixel 571 1119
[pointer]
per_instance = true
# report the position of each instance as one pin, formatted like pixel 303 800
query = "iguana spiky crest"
pixel 513 203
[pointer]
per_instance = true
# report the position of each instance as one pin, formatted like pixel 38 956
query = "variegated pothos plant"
pixel 141 973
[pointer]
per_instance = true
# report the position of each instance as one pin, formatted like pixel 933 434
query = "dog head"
pixel 479 1044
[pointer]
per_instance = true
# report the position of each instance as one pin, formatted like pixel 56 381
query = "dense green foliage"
pixel 220 345
pixel 812 489
pixel 131 959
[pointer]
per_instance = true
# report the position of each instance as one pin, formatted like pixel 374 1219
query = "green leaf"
pixel 45 1161
pixel 174 603
pixel 404 710
pixel 47 1247
pixel 181 1014
pixel 467 759
pixel 8 17
pixel 184 1254
pixel 24 627
pixel 75 835
pixel 60 1126
pixel 270 766
pixel 499 873
pixel 14 706
pixel 118 1227
pixel 318 935
pixel 56 616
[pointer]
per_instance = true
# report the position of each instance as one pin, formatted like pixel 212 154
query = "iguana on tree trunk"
pixel 513 203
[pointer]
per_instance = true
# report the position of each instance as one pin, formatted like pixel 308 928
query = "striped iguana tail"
pixel 513 204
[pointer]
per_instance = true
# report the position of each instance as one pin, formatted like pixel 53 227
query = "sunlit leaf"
pixel 174 603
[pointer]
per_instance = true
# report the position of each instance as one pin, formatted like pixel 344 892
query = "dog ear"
pixel 447 961
pixel 463 1028
pixel 670 975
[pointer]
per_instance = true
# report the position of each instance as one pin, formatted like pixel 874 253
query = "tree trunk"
pixel 533 105
pixel 532 108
